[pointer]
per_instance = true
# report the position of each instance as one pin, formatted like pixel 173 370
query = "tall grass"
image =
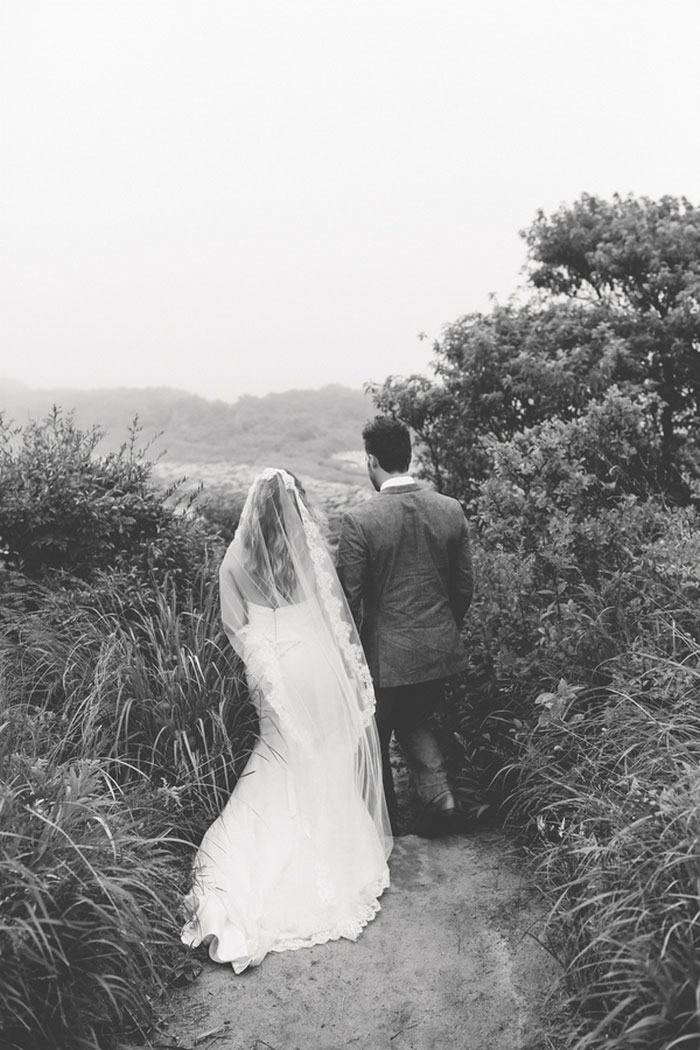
pixel 88 908
pixel 580 726
pixel 123 727
pixel 609 791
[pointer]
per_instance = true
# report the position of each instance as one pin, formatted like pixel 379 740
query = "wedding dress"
pixel 299 854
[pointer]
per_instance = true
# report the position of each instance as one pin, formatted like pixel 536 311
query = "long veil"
pixel 279 566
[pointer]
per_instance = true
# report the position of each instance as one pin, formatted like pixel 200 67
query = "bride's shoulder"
pixel 232 561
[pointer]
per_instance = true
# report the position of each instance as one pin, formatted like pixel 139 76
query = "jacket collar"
pixel 397 481
pixel 407 486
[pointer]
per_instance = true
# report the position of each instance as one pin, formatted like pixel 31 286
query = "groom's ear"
pixel 372 461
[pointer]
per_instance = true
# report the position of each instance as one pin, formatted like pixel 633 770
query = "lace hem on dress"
pixel 349 928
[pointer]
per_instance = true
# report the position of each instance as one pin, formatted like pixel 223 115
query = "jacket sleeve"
pixel 352 565
pixel 462 574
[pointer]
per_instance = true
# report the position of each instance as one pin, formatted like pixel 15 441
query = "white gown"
pixel 295 858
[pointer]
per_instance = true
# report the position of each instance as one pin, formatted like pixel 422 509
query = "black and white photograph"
pixel 349 525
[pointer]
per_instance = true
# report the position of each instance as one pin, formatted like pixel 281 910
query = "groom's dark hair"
pixel 390 441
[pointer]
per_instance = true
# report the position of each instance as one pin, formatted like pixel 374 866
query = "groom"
pixel 404 561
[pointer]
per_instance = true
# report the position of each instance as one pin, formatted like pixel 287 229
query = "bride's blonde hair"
pixel 267 536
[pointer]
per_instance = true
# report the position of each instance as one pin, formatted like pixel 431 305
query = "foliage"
pixel 641 259
pixel 562 520
pixel 124 724
pixel 498 374
pixel 65 508
pixel 89 903
pixel 124 728
pixel 608 791
pixel 618 303
pixel 580 725
pixel 222 513
pixel 565 561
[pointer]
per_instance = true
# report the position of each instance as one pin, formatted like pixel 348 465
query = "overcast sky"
pixel 240 196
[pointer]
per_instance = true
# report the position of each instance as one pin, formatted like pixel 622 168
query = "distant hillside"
pixel 300 429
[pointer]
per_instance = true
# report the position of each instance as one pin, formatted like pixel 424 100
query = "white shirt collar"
pixel 403 479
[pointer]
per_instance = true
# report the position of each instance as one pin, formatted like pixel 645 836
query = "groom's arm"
pixel 352 565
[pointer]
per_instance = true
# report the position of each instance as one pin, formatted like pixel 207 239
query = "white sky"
pixel 239 196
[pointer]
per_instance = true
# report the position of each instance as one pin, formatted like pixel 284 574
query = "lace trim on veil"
pixel 352 651
pixel 259 646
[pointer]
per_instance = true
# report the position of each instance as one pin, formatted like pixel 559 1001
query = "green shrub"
pixel 222 512
pixel 66 509
pixel 569 562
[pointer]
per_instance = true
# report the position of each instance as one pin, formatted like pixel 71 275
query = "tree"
pixel 640 261
pixel 617 303
pixel 499 373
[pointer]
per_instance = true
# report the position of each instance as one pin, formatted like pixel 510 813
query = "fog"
pixel 234 197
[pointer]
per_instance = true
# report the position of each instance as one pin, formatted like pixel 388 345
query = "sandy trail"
pixel 449 964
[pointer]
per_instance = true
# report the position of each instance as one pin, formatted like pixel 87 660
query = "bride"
pixel 299 854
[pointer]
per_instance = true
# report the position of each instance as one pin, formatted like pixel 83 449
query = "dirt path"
pixel 447 965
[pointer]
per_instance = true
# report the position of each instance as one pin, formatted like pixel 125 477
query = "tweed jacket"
pixel 404 560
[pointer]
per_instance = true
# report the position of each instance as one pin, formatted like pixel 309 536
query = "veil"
pixel 285 614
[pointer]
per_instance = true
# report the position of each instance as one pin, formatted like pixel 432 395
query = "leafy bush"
pixel 569 512
pixel 64 508
pixel 588 588
pixel 222 513
pixel 564 563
